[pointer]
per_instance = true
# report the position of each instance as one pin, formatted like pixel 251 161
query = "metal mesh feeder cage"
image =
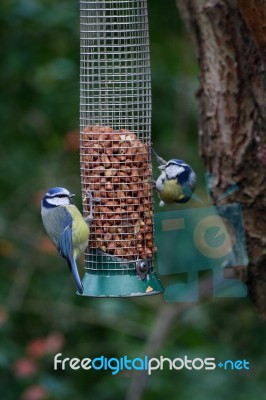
pixel 115 132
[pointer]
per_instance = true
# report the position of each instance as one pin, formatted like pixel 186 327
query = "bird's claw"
pixel 93 200
pixel 160 160
pixel 89 220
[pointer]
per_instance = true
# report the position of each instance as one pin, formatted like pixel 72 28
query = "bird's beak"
pixel 71 196
pixel 161 167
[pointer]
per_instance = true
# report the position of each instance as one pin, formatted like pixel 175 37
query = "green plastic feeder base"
pixel 98 284
pixel 109 276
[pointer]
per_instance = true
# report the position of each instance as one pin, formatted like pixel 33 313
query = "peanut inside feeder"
pixel 117 170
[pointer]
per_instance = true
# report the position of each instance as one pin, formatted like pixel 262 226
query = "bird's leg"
pixel 93 200
pixel 160 160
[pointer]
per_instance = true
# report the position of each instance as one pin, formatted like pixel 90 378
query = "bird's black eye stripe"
pixel 58 195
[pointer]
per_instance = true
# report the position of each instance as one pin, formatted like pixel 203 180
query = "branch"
pixel 230 40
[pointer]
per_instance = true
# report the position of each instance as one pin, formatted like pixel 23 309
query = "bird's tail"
pixel 74 270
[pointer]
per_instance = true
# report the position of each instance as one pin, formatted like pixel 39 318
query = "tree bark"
pixel 230 40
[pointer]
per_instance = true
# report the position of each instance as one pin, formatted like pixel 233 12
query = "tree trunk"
pixel 230 40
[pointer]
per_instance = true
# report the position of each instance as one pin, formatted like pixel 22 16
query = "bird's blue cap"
pixel 59 190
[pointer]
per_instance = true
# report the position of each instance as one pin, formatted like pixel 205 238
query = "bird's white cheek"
pixel 173 171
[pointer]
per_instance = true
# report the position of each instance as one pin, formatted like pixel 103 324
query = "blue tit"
pixel 66 227
pixel 176 182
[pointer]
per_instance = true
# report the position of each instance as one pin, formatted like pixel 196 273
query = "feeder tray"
pixel 115 148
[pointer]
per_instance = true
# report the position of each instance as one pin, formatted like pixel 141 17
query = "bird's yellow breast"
pixel 80 230
pixel 171 191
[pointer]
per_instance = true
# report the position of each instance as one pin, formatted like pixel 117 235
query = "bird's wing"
pixel 66 250
pixel 65 246
pixel 59 229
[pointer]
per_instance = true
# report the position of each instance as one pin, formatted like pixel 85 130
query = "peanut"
pixel 115 166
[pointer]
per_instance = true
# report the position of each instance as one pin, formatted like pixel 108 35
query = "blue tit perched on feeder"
pixel 66 227
pixel 176 182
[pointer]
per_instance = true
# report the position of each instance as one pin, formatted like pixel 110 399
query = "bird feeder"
pixel 115 144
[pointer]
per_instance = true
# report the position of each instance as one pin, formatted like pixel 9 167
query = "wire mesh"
pixel 115 131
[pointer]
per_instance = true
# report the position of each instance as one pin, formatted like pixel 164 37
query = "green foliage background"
pixel 40 314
